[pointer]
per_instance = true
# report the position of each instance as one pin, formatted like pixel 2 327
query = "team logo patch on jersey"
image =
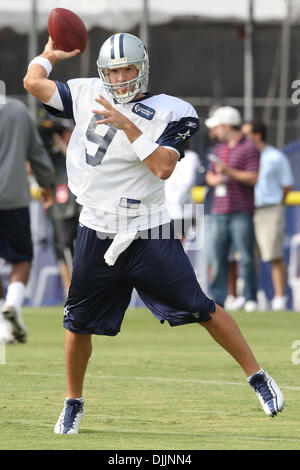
pixel 192 124
pixel 128 203
pixel 144 111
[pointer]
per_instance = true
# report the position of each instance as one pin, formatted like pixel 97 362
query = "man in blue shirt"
pixel 275 180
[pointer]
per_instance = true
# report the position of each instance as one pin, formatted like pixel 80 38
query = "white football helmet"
pixel 121 50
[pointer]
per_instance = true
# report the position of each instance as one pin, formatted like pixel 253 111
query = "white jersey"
pixel 112 184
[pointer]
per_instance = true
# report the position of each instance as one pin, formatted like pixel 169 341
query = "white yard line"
pixel 156 379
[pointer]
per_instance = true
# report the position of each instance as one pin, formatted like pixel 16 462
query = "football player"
pixel 125 144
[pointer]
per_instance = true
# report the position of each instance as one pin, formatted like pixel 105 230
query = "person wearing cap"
pixel 233 173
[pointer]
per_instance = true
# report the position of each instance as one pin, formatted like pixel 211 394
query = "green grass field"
pixel 151 387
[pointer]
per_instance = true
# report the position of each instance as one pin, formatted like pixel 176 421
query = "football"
pixel 67 30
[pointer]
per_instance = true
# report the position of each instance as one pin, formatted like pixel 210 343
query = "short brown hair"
pixel 258 127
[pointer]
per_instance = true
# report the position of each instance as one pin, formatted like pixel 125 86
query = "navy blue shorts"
pixel 158 269
pixel 15 235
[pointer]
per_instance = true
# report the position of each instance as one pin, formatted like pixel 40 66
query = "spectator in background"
pixel 233 174
pixel 64 213
pixel 274 182
pixel 19 142
pixel 231 300
pixel 178 192
pixel 207 201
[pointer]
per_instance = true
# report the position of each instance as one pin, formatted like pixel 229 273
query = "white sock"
pixel 15 295
pixel 260 371
pixel 80 399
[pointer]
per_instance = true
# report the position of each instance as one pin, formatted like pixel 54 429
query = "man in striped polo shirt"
pixel 233 173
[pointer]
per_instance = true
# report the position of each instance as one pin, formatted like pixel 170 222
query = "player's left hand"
pixel 112 116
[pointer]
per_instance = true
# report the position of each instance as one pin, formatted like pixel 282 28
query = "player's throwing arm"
pixel 36 80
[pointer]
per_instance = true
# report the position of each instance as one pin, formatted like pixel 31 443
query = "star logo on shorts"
pixel 183 136
pixel 66 312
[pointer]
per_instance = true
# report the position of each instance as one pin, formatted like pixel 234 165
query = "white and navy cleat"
pixel 268 392
pixel 19 332
pixel 70 417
